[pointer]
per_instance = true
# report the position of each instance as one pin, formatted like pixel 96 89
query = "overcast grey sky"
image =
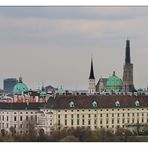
pixel 54 44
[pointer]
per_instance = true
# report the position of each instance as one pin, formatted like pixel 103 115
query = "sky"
pixel 54 45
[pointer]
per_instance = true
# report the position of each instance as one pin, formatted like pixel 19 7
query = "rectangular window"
pixel 82 116
pixel 65 115
pixel 58 116
pixel 3 118
pixel 95 115
pixel 14 125
pixel 133 114
pixel 77 115
pixel 6 125
pixel 7 118
pixel 123 115
pixel 106 115
pixel 112 121
pixel 82 121
pixel 26 118
pixel 100 115
pixel 137 114
pixel 107 121
pixel 36 117
pixel 89 122
pixel 77 121
pixel 72 122
pixel 31 117
pixel 142 114
pixel 88 115
pixel 122 120
pixel 112 115
pixel 65 122
pixel 14 118
pixel 59 122
pixel 128 121
pixel 100 121
pixel 95 121
pixel 21 125
pixel 72 116
pixel 128 114
pixel 118 121
pixel 142 120
pixel 21 118
pixel 118 114
pixel 133 120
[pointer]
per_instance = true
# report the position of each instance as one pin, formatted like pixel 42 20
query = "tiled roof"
pixel 21 106
pixel 80 102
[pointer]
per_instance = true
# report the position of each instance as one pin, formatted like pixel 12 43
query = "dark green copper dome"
pixel 113 84
pixel 20 88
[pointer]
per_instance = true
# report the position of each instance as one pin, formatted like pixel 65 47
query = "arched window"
pixel 94 104
pixel 117 104
pixel 71 104
pixel 137 103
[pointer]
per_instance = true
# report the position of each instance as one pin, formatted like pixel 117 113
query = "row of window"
pixel 18 112
pixel 6 125
pixel 2 118
pixel 107 115
pixel 118 121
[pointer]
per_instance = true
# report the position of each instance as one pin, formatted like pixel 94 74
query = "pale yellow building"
pixel 98 111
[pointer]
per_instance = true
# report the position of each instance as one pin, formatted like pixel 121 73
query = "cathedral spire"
pixel 127 56
pixel 91 71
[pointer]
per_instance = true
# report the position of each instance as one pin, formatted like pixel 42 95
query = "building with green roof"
pixel 43 92
pixel 114 84
pixel 20 88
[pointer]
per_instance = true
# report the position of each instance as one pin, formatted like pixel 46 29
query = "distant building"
pixel 101 85
pixel 9 84
pixel 128 85
pixel 91 85
pixel 114 84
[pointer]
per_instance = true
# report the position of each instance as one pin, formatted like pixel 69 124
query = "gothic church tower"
pixel 92 86
pixel 128 85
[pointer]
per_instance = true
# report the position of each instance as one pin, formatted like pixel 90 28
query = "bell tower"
pixel 92 86
pixel 128 85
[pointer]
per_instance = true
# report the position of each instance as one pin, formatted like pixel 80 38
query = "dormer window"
pixel 137 103
pixel 71 104
pixel 117 104
pixel 94 104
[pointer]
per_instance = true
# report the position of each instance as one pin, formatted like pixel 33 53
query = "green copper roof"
pixel 113 84
pixel 20 88
pixel 43 92
pixel 60 90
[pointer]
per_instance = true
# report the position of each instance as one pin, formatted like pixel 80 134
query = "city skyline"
pixel 54 45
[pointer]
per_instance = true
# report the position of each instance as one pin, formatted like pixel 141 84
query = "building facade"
pixel 9 84
pixel 18 116
pixel 109 112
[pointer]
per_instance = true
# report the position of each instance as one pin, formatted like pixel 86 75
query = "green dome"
pixel 60 90
pixel 43 92
pixel 114 84
pixel 20 88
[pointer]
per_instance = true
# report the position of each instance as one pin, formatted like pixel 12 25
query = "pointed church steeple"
pixel 127 56
pixel 91 76
pixel 91 85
